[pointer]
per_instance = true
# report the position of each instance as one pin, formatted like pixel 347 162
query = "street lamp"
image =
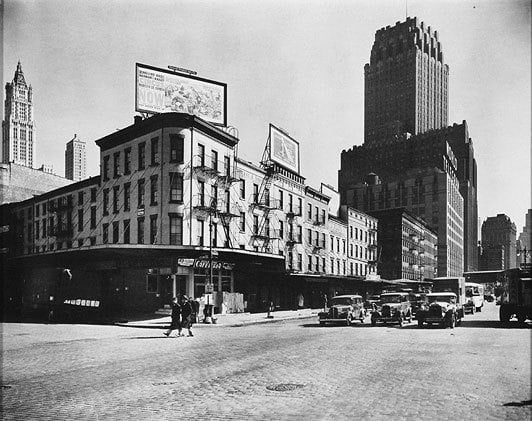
pixel 209 287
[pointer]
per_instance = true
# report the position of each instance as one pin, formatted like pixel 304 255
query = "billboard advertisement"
pixel 283 149
pixel 162 91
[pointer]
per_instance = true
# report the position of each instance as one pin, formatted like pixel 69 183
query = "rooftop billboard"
pixel 283 149
pixel 162 91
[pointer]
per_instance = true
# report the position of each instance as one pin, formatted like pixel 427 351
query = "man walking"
pixel 186 316
pixel 176 318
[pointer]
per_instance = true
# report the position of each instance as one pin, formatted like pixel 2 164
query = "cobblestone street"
pixel 292 370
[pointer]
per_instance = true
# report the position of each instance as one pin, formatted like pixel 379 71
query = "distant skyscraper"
pixel 498 233
pixel 75 160
pixel 525 241
pixel 406 82
pixel 18 128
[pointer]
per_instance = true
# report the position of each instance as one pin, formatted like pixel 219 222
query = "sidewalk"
pixel 228 320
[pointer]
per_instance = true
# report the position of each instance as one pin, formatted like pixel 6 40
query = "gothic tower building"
pixel 75 159
pixel 406 82
pixel 422 163
pixel 18 127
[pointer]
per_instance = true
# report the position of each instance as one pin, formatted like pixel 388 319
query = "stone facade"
pixel 498 232
pixel 75 160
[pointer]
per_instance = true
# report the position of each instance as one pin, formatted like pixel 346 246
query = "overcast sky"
pixel 296 64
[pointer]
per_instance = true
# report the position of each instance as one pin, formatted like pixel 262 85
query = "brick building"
pixel 141 232
pixel 498 243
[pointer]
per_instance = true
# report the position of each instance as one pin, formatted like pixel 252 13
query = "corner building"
pixel 141 231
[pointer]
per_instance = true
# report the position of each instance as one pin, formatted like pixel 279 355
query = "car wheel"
pixel 479 309
pixel 322 323
pixel 400 321
pixel 409 318
pixel 373 322
pixel 521 318
pixel 420 323
pixel 348 320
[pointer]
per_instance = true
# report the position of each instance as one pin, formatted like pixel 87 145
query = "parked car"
pixel 417 299
pixel 395 307
pixel 343 309
pixel 443 308
pixel 372 302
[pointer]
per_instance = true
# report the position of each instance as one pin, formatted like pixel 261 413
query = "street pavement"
pixel 289 370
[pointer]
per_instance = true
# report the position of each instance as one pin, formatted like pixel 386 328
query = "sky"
pixel 296 64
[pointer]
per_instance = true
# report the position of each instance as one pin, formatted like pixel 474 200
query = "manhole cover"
pixel 284 387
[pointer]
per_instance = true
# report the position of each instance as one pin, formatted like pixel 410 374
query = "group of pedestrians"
pixel 184 315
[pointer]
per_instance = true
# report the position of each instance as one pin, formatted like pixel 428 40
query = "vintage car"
pixel 442 308
pixel 417 299
pixel 343 309
pixel 395 307
pixel 373 302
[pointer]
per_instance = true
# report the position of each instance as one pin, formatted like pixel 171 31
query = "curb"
pixel 228 324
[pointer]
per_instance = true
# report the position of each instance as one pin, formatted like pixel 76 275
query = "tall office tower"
pixel 75 159
pixel 524 243
pixel 18 127
pixel 406 83
pixel 498 233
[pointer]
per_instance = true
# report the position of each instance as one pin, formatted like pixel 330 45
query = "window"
pixel 177 144
pixel 105 234
pixel 93 195
pixel 80 199
pixel 332 265
pixel 299 262
pixel 93 217
pixel 242 188
pixel 290 203
pixel 80 219
pixel 214 235
pixel 227 201
pixel 116 164
pixel 309 213
pixel 227 166
pixel 126 231
pixel 309 236
pixel 201 193
pixel 309 262
pixel 44 208
pixel 176 229
pixel 127 197
pixel 141 191
pixel 214 196
pixel 140 230
pixel 255 193
pixel 201 231
pixel 44 227
pixel 201 154
pixel 115 232
pixel 281 199
pixel 142 155
pixel 106 201
pixel 299 206
pixel 127 161
pixel 154 190
pixel 153 229
pixel 214 160
pixel 323 216
pixel 299 233
pixel 37 229
pixel 242 221
pixel 105 169
pixel 281 229
pixel 255 224
pixel 176 187
pixel 154 151
pixel 115 198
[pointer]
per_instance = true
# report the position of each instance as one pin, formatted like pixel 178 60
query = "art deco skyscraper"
pixel 406 83
pixel 18 128
pixel 75 159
